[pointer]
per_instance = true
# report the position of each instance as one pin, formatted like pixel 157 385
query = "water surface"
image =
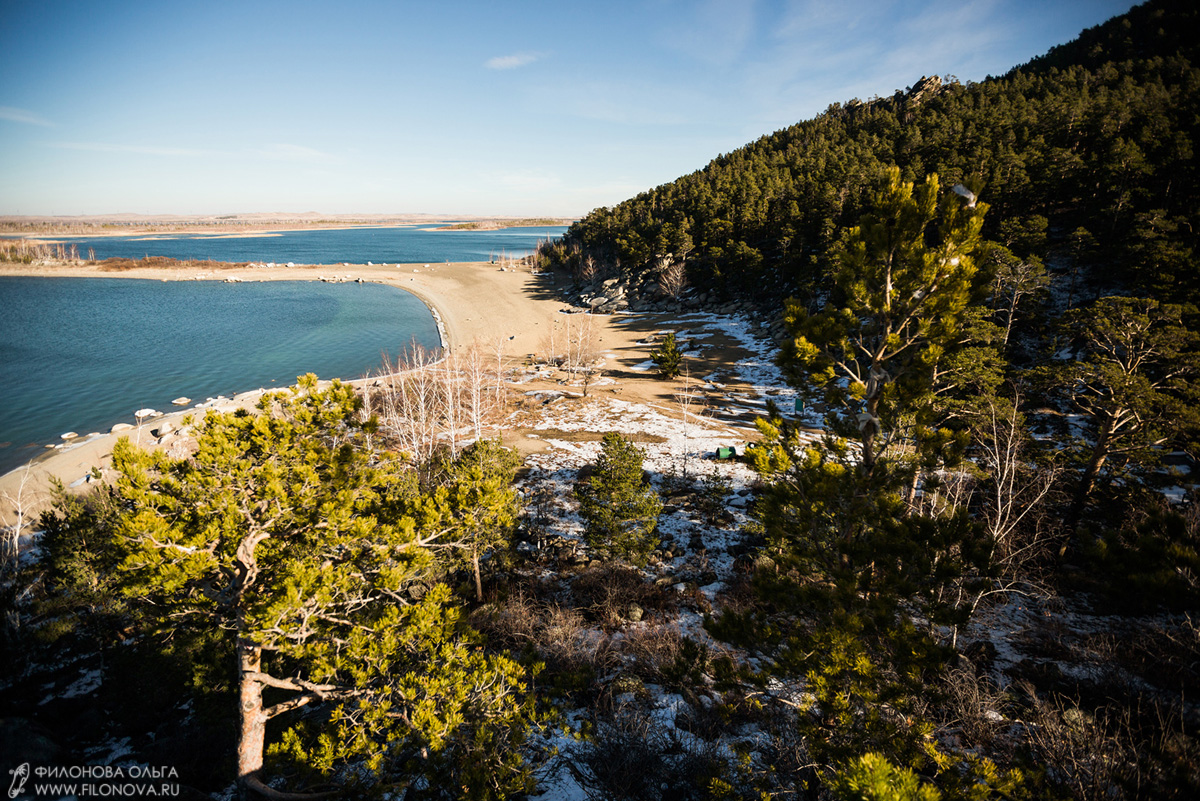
pixel 391 245
pixel 82 354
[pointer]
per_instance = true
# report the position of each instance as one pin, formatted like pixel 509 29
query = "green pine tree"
pixel 620 510
pixel 668 356
pixel 474 502
pixel 1133 384
pixel 904 282
pixel 287 538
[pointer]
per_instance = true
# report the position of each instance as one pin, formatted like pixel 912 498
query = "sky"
pixel 505 107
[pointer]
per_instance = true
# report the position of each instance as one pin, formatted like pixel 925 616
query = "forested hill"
pixel 1085 155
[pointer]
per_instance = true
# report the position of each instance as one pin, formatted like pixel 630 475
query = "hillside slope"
pixel 1096 136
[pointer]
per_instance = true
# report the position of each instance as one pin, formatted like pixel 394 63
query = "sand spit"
pixel 474 302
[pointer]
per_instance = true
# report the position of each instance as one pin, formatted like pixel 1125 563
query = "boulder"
pixel 183 448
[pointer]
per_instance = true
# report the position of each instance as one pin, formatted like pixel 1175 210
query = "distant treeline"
pixel 492 225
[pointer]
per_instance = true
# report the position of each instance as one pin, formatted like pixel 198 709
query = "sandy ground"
pixel 474 302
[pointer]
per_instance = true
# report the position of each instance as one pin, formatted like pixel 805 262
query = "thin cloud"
pixel 633 103
pixel 288 152
pixel 511 62
pixel 24 116
pixel 276 152
pixel 145 150
pixel 717 33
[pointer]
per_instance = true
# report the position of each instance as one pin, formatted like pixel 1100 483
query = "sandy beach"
pixel 474 302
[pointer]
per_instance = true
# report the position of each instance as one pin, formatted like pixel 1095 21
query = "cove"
pixel 82 354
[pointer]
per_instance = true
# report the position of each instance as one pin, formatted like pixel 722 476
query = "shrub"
pixel 631 755
pixel 620 510
pixel 607 593
pixel 668 356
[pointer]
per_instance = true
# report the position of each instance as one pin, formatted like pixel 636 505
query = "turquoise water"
pixel 400 244
pixel 82 354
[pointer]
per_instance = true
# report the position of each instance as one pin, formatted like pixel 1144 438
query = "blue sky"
pixel 512 108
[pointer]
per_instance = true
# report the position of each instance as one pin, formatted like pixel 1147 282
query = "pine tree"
pixel 620 510
pixel 903 285
pixel 1133 384
pixel 474 503
pixel 668 356
pixel 286 537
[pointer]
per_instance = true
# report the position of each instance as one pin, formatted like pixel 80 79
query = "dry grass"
pixel 559 635
pixel 607 594
pixel 25 251
pixel 653 648
pixel 163 262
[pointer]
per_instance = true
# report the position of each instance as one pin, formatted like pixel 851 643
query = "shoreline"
pixel 226 230
pixel 506 310
pixel 469 301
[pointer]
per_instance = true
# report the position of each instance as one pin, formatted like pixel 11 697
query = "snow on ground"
pixel 679 444
pixel 757 370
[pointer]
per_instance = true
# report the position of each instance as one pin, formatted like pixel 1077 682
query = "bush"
pixel 668 356
pixel 620 510
pixel 607 593
pixel 630 755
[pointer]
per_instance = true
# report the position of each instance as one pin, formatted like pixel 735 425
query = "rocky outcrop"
pixel 642 293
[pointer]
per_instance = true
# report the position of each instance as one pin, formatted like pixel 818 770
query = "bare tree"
pixel 672 275
pixel 475 390
pixel 498 386
pixel 424 402
pixel 410 404
pixel 1015 491
pixel 581 341
pixel 589 270
pixel 1011 494
pixel 581 358
pixel 10 544
pixel 20 505
pixel 450 378
pixel 692 406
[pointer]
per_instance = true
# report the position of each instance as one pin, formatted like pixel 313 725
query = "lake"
pixel 82 354
pixel 406 244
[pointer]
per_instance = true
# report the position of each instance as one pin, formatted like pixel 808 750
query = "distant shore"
pixel 41 228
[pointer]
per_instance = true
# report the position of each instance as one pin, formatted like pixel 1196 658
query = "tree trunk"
pixel 868 430
pixel 478 580
pixel 252 718
pixel 1088 480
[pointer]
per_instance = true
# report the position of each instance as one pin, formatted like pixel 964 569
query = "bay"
pixel 382 245
pixel 83 354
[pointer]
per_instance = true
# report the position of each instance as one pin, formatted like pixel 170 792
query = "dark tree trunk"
pixel 1088 480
